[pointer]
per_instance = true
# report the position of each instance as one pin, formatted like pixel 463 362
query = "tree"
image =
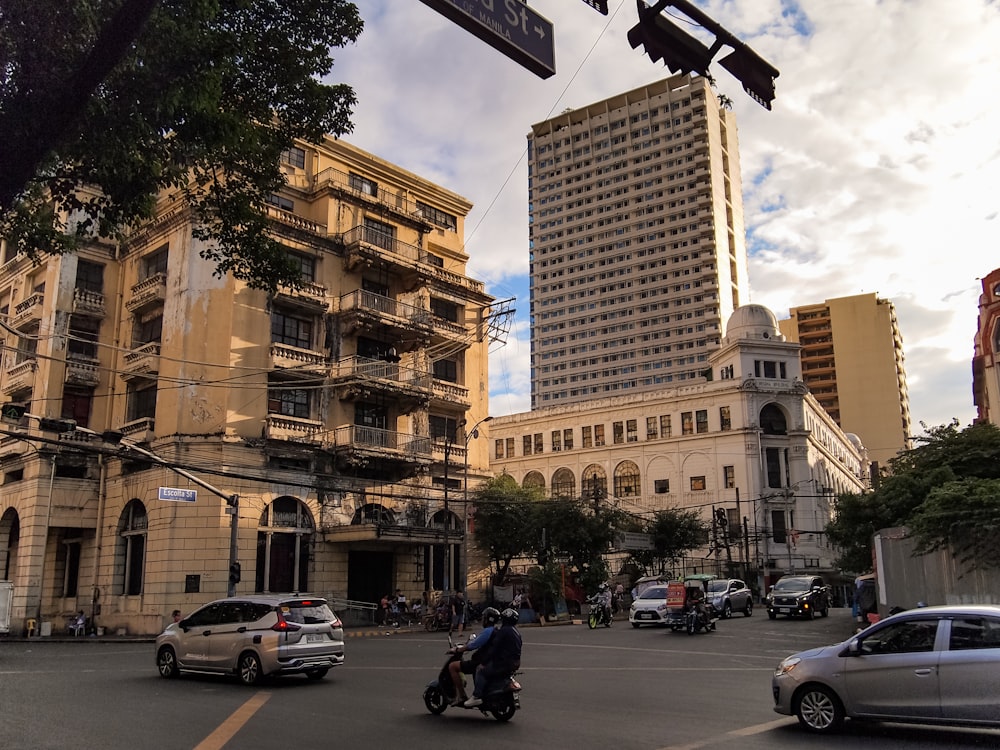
pixel 503 526
pixel 950 469
pixel 674 531
pixel 106 104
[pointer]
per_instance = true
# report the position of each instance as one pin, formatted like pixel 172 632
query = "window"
pixel 510 447
pixel 76 406
pixel 140 400
pixel 974 633
pixel 379 233
pixel 295 157
pixel 533 480
pixel 284 541
pixel 526 445
pixel 445 369
pixel 779 531
pixel 901 638
pixel 363 184
pixel 498 448
pixel 618 430
pixel 154 263
pixel 631 430
pixel 627 483
pixel 697 484
pixel 665 425
pixel 563 484
pixel 444 428
pixel 288 402
pixel 444 309
pixel 539 445
pixel 556 441
pixel 661 486
pixel 281 202
pixel 725 422
pixel 593 483
pixel 291 330
pixel 651 433
pixel 598 435
pixel 436 216
pixel 83 332
pixel 701 419
pixel 568 439
pixel 304 264
pixel 586 436
pixel 687 425
pixel 130 554
pixel 147 330
pixel 729 477
pixel 772 461
pixel 90 276
pixel 734 525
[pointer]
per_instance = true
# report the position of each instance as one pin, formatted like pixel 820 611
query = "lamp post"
pixel 463 562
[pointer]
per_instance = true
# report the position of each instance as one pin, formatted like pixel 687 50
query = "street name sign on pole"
pixel 176 495
pixel 509 26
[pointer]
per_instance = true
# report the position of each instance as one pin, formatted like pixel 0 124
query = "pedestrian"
pixel 457 612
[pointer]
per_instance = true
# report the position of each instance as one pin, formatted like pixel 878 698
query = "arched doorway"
pixel 284 540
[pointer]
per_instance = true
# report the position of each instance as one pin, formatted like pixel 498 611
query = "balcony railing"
pixel 294 361
pixel 87 302
pixel 380 370
pixel 28 312
pixel 82 372
pixel 148 293
pixel 359 437
pixel 293 220
pixel 143 360
pixel 293 429
pixel 21 376
pixel 361 300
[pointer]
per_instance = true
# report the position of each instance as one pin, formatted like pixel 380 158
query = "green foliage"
pixel 503 527
pixel 964 517
pixel 924 492
pixel 674 532
pixel 197 97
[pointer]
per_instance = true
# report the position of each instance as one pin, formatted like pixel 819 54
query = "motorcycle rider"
pixel 604 599
pixel 504 657
pixel 480 646
pixel 695 599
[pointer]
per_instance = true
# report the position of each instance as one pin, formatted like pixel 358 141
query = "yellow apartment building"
pixel 852 361
pixel 341 414
pixel 986 359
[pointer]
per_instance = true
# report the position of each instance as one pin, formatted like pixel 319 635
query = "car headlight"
pixel 786 666
pixel 661 608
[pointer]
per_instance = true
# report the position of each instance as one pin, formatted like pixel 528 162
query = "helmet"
pixel 603 587
pixel 491 616
pixel 509 616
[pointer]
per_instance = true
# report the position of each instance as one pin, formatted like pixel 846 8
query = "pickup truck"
pixel 799 596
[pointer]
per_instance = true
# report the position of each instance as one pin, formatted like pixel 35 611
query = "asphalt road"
pixel 646 689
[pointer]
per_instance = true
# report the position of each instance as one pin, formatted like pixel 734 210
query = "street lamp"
pixel 463 562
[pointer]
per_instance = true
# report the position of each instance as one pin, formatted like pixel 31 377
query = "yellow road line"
pixel 233 724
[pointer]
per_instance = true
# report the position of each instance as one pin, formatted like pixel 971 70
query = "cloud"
pixel 876 170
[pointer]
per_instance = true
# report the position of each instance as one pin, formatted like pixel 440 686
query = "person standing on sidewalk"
pixel 457 612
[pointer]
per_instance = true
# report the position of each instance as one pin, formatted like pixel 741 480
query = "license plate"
pixel 315 637
pixel 784 610
pixel 645 616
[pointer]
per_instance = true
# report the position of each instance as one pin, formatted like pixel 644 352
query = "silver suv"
pixel 254 636
pixel 730 595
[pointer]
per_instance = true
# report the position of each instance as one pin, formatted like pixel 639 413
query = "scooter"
pixel 598 614
pixel 501 699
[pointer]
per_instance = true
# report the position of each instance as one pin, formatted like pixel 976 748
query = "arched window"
pixel 284 538
pixel 533 480
pixel 10 533
pixel 373 513
pixel 772 420
pixel 593 483
pixel 130 553
pixel 563 483
pixel 627 483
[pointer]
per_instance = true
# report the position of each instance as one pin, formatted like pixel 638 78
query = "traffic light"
pixel 234 572
pixel 664 41
pixel 56 425
pixel 12 413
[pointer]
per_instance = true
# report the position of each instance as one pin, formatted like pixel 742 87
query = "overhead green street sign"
pixel 509 26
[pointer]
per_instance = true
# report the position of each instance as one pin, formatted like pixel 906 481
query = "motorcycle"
pixel 501 698
pixel 696 620
pixel 438 619
pixel 598 614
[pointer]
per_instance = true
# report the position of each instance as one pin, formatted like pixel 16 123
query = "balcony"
pixel 361 378
pixel 148 293
pixel 293 429
pixel 360 192
pixel 139 430
pixel 20 377
pixel 86 302
pixel 303 363
pixel 293 221
pixel 309 296
pixel 142 361
pixel 28 313
pixel 356 445
pixel 82 372
pixel 451 394
pixel 409 327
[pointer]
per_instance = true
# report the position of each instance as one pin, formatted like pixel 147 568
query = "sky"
pixel 877 170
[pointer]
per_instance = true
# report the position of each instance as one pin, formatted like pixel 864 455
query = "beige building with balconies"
pixel 751 441
pixel 336 412
pixel 638 249
pixel 986 352
pixel 852 361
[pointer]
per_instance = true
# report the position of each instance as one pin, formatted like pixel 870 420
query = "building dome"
pixel 752 321
pixel 855 441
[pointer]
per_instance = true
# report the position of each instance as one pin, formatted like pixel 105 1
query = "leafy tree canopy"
pixel 675 531
pixel 134 97
pixel 503 528
pixel 949 472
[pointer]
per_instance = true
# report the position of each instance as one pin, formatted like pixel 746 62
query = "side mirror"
pixel 854 647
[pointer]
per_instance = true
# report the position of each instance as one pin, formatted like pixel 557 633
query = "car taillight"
pixel 284 626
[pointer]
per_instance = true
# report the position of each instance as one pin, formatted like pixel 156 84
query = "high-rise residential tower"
pixel 638 253
pixel 852 361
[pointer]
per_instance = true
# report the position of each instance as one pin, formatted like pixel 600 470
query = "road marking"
pixel 233 724
pixel 719 738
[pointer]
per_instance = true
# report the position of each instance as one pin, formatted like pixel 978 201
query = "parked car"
pixel 799 596
pixel 254 636
pixel 929 665
pixel 730 595
pixel 650 608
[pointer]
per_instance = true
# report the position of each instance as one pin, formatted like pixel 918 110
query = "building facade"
pixel 752 441
pixel 852 361
pixel 341 413
pixel 986 357
pixel 637 243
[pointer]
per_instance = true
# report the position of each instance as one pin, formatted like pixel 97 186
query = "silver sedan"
pixel 931 665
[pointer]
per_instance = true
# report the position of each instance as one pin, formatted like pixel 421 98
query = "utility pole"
pixel 446 581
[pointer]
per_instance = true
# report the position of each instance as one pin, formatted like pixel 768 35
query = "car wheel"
pixel 811 614
pixel 825 612
pixel 771 616
pixel 504 710
pixel 635 625
pixel 248 668
pixel 727 610
pixel 166 662
pixel 435 700
pixel 748 610
pixel 317 674
pixel 819 709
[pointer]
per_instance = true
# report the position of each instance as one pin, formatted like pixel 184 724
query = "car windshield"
pixel 654 592
pixel 792 584
pixel 717 587
pixel 307 612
